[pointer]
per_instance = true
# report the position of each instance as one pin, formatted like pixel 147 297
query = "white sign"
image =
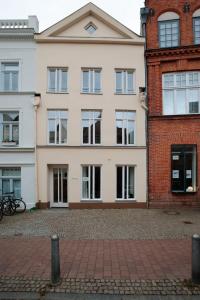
pixel 175 157
pixel 175 174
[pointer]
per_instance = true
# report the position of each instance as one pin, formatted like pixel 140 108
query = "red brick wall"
pixel 161 6
pixel 163 131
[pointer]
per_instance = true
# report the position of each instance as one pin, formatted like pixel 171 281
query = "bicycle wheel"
pixel 20 205
pixel 9 207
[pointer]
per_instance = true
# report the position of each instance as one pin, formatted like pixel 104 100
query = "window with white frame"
pixel 9 76
pixel 91 182
pixel 9 127
pixel 57 127
pixel 10 181
pixel 91 127
pixel 169 33
pixel 196 25
pixel 181 93
pixel 125 81
pixel 91 80
pixel 57 80
pixel 125 127
pixel 125 182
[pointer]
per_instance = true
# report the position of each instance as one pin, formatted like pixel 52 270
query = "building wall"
pixel 164 131
pixel 186 23
pixel 107 57
pixel 23 155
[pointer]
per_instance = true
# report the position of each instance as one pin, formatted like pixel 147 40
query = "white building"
pixel 17 113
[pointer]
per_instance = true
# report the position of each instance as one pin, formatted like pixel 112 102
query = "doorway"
pixel 60 188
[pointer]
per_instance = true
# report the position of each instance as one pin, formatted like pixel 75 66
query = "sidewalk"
pixel 97 259
pixel 119 267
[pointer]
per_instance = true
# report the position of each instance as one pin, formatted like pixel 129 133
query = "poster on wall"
pixel 175 174
pixel 188 174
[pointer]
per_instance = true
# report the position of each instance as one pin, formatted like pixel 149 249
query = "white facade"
pixel 17 113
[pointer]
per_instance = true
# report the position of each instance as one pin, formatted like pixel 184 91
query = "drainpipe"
pixel 144 13
pixel 36 104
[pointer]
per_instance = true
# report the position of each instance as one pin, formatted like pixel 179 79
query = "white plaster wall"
pixel 25 53
pixel 28 185
pixel 23 104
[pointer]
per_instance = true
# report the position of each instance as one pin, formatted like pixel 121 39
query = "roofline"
pixel 90 3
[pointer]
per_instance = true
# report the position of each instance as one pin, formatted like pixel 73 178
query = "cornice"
pixel 12 33
pixel 16 149
pixel 91 147
pixel 174 117
pixel 185 50
pixel 87 40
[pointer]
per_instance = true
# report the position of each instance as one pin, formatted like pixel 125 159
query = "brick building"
pixel 173 85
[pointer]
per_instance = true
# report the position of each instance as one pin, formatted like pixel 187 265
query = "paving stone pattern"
pixel 98 286
pixel 104 224
pixel 98 259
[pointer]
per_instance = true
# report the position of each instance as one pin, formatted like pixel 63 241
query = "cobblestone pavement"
pixel 78 296
pixel 104 224
pixel 97 286
pixel 100 259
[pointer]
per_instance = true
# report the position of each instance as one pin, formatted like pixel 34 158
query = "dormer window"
pixel 168 27
pixel 90 28
pixel 196 26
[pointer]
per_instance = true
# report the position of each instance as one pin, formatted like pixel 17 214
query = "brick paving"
pixel 124 261
pixel 98 259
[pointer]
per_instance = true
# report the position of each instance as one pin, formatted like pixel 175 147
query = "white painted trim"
pixel 169 15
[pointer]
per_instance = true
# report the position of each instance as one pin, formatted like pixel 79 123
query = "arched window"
pixel 196 26
pixel 168 28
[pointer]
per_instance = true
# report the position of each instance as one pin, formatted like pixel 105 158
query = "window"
pixel 168 29
pixel 57 80
pixel 91 80
pixel 57 127
pixel 9 76
pixel 125 182
pixel 10 181
pixel 124 81
pixel 196 24
pixel 91 126
pixel 169 33
pixel 91 182
pixel 181 93
pixel 9 127
pixel 125 127
pixel 183 168
pixel 91 28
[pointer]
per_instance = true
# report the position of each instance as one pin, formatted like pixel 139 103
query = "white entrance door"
pixel 60 187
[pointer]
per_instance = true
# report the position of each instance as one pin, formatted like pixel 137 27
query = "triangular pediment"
pixel 89 22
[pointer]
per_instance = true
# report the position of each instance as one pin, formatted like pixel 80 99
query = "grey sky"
pixel 51 11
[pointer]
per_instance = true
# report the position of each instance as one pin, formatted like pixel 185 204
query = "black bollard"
pixel 196 258
pixel 55 260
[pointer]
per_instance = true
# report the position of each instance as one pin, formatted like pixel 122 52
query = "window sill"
pixel 125 200
pixel 82 93
pixel 125 145
pixel 58 145
pixel 91 201
pixel 48 92
pixel 125 94
pixel 179 192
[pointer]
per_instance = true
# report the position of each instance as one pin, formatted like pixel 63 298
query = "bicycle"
pixel 20 205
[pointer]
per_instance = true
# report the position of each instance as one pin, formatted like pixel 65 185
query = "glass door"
pixel 60 187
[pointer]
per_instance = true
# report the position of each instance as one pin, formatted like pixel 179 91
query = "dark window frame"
pixel 169 21
pixel 196 168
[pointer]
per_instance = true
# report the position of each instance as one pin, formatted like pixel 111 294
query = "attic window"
pixel 90 28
